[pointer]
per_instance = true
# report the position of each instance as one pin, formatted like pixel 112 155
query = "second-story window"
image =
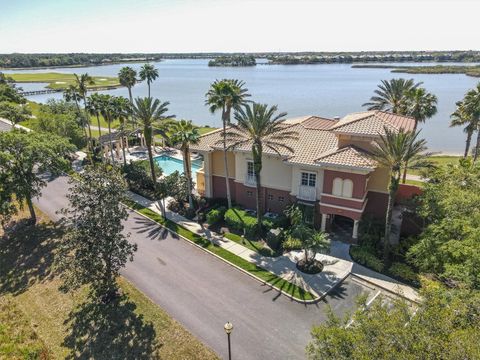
pixel 309 179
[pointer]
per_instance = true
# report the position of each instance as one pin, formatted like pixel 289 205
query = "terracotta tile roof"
pixel 317 142
pixel 372 123
pixel 349 156
pixel 318 123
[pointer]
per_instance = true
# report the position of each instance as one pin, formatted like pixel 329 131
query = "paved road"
pixel 202 292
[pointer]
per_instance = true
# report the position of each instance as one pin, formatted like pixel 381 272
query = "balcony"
pixel 250 180
pixel 308 193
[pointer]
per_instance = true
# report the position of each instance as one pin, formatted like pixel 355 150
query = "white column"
pixel 355 229
pixel 324 222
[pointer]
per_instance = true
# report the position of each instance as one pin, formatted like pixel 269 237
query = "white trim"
pixel 345 208
pixel 345 198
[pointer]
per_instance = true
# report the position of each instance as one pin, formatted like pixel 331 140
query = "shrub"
pixel 138 179
pixel 215 215
pixel 239 220
pixel 403 271
pixel 364 255
pixel 291 243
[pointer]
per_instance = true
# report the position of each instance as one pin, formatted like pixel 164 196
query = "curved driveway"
pixel 203 292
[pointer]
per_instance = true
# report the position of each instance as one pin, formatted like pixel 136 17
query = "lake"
pixel 324 90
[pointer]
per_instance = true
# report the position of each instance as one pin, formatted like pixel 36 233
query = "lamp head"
pixel 228 327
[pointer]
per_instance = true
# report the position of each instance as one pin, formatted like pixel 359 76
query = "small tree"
pixel 13 112
pixel 25 156
pixel 95 249
pixel 318 242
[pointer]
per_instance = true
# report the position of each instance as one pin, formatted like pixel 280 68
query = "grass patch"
pixel 415 182
pixel 74 325
pixel 17 338
pixel 62 81
pixel 206 129
pixel 439 161
pixel 263 274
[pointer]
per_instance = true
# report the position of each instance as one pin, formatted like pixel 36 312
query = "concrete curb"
pixel 291 297
pixel 362 278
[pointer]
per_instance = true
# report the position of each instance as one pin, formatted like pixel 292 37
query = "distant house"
pixel 329 174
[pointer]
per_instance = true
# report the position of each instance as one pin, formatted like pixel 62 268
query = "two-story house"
pixel 329 174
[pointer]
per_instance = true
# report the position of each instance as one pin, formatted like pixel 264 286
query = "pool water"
pixel 169 165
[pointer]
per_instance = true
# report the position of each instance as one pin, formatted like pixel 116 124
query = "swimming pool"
pixel 170 165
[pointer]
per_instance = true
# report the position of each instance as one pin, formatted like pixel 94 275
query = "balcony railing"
pixel 308 193
pixel 250 180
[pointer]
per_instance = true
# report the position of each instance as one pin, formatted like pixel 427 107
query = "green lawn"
pixel 61 81
pixel 438 161
pixel 206 129
pixel 253 269
pixel 37 318
pixel 253 245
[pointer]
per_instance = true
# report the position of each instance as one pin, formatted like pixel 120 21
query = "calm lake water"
pixel 324 90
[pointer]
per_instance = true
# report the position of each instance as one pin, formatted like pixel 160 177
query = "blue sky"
pixel 243 25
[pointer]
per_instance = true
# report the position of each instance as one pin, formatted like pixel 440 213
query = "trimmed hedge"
pixel 216 215
pixel 239 220
pixel 363 255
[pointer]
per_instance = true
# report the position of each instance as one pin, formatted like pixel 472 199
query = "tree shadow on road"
pixel 27 255
pixel 151 229
pixel 110 331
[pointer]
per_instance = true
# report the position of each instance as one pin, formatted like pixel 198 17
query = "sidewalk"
pixel 335 270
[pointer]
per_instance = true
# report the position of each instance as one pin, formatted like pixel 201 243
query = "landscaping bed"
pixel 270 278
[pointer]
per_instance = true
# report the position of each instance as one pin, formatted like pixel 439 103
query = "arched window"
pixel 337 187
pixel 347 188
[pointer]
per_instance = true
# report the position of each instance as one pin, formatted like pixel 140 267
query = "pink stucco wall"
pixel 359 182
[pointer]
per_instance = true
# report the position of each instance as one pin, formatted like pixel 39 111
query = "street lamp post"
pixel 228 329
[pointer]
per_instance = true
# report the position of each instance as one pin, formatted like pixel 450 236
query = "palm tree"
pixel 395 151
pixel 93 107
pixel 123 109
pixel 82 83
pixel 260 127
pixel 71 94
pixel 226 94
pixel 421 105
pixel 108 109
pixel 461 117
pixel 149 73
pixel 149 113
pixel 128 78
pixel 472 106
pixel 392 96
pixel 184 133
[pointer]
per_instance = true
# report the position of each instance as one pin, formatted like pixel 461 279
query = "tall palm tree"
pixel 148 72
pixel 150 113
pixel 226 94
pixel 128 78
pixel 421 105
pixel 260 127
pixel 184 133
pixel 82 83
pixel 395 151
pixel 392 96
pixel 108 109
pixel 472 106
pixel 461 117
pixel 93 107
pixel 71 94
pixel 123 109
